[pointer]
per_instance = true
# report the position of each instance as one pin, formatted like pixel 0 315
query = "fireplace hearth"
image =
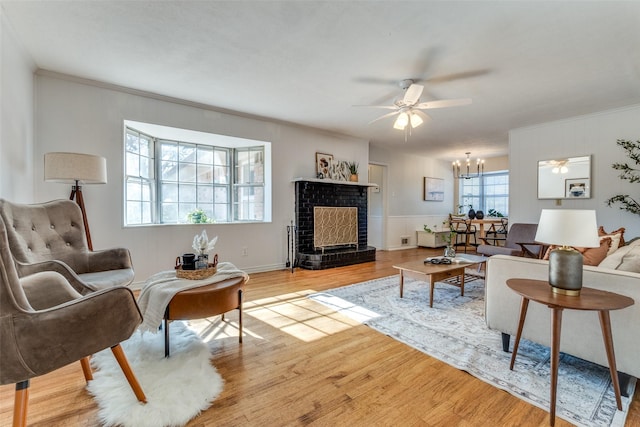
pixel 344 243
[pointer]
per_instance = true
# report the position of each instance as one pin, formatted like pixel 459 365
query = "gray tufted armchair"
pixel 50 237
pixel 45 324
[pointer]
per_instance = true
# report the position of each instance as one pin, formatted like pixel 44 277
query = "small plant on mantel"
pixel 630 174
pixel 353 169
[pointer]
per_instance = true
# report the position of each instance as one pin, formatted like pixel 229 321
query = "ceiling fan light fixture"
pixel 416 120
pixel 402 121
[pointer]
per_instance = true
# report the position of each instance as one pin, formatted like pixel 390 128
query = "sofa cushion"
pixel 590 256
pixel 627 258
pixel 619 231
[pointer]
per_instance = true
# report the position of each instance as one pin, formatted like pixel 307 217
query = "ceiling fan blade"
pixel 412 95
pixel 393 113
pixel 386 107
pixel 443 103
pixel 422 114
pixel 458 76
pixel 375 80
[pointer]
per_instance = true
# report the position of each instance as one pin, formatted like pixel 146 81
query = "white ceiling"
pixel 309 62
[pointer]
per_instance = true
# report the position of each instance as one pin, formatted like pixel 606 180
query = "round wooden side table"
pixel 589 300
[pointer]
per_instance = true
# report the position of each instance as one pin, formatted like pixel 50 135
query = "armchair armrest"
pixel 485 240
pixel 25 269
pixel 109 259
pixel 529 253
pixel 58 290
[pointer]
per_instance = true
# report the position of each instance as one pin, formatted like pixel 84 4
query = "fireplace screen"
pixel 334 227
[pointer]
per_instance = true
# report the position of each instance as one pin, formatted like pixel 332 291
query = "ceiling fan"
pixel 409 109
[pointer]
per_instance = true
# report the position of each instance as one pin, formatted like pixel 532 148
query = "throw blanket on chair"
pixel 161 287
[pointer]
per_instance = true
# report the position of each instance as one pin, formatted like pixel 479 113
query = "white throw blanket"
pixel 161 287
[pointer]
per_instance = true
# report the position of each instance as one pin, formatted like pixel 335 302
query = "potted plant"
pixel 198 216
pixel 353 168
pixel 449 238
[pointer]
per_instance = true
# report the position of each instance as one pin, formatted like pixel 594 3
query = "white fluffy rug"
pixel 177 388
pixel 455 332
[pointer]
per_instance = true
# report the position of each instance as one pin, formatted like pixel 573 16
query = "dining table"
pixel 480 223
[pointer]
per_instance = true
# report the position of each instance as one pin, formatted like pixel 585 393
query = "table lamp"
pixel 567 228
pixel 77 169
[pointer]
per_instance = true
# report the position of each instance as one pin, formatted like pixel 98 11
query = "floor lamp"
pixel 77 169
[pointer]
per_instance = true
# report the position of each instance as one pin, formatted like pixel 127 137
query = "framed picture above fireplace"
pixel 324 163
pixel 434 189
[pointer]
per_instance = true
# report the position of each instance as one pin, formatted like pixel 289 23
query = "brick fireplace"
pixel 311 194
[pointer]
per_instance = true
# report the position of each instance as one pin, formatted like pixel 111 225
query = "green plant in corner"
pixel 631 174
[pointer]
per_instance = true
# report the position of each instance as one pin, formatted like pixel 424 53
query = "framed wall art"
pixel 324 163
pixel 576 188
pixel 434 189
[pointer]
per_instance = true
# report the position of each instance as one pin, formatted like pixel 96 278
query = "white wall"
pixel 16 116
pixel 593 134
pixel 73 115
pixel 407 211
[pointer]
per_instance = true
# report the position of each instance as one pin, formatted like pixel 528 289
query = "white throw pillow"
pixel 631 260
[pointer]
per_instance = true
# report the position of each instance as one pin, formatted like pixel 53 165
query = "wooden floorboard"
pixel 302 364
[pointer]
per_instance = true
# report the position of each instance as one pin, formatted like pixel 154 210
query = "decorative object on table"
pixel 457 334
pixel 197 266
pixel 449 238
pixel 433 189
pixel 471 214
pixel 494 214
pixel 458 171
pixel 630 174
pixel 323 165
pixel 188 261
pixel 177 388
pixel 78 169
pixel 479 215
pixel 567 228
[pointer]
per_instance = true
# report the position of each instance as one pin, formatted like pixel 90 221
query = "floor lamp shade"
pixel 78 169
pixel 567 228
pixel 75 167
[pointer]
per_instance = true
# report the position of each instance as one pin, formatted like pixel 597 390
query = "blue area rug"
pixel 454 331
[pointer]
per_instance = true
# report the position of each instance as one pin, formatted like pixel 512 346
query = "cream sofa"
pixel 581 335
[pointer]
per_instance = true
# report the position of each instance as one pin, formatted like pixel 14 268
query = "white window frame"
pixel 260 209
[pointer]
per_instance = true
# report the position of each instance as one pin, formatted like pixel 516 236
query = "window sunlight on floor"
pixel 293 313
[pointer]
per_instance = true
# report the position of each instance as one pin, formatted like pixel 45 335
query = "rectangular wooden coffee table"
pixel 452 274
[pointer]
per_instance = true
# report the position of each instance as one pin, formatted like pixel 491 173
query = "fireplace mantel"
pixel 334 181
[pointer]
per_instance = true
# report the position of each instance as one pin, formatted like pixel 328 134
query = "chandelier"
pixel 458 168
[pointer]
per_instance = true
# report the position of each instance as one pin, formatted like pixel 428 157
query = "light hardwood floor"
pixel 301 364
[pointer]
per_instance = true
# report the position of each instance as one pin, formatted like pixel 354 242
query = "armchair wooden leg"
pixel 86 368
pixel 20 404
pixel 128 373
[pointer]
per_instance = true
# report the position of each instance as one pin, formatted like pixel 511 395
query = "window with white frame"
pixel 178 176
pixel 490 191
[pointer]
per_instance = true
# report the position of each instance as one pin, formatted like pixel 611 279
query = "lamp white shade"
pixel 72 167
pixel 568 227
